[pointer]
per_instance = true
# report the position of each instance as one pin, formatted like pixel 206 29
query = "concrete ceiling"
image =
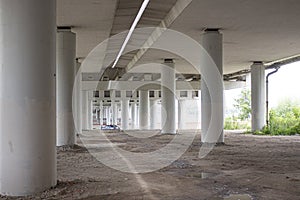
pixel 254 30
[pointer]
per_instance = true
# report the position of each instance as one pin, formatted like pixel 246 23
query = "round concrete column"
pixel 85 100
pixel 181 114
pixel 212 41
pixel 65 76
pixel 153 113
pixel 258 96
pixel 101 112
pixel 133 115
pixel 90 114
pixel 77 101
pixel 27 87
pixel 115 113
pixel 143 109
pixel 125 114
pixel 108 115
pixel 168 90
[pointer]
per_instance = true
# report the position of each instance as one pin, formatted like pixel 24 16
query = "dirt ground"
pixel 246 167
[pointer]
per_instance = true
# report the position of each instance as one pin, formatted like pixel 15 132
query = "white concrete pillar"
pixel 90 113
pixel 258 96
pixel 101 112
pixel 125 114
pixel 181 114
pixel 143 109
pixel 85 100
pixel 212 42
pixel 77 100
pixel 115 112
pixel 108 119
pixel 65 76
pixel 133 115
pixel 153 113
pixel 27 87
pixel 168 92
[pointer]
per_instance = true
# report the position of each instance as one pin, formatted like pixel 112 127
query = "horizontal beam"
pixel 151 85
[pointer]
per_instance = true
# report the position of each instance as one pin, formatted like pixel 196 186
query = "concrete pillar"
pixel 90 113
pixel 258 96
pixel 108 115
pixel 144 109
pixel 168 90
pixel 125 114
pixel 181 114
pixel 85 100
pixel 153 113
pixel 212 42
pixel 115 113
pixel 65 76
pixel 101 112
pixel 27 87
pixel 133 115
pixel 77 100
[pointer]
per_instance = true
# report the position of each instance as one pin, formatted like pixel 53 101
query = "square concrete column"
pixel 258 96
pixel 27 87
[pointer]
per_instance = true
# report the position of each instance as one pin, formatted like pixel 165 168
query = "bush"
pixel 233 123
pixel 284 120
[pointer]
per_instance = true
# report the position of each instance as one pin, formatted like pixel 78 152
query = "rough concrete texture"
pixel 246 167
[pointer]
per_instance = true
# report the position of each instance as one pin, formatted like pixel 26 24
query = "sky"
pixel 285 84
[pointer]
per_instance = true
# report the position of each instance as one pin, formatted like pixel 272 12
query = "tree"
pixel 243 104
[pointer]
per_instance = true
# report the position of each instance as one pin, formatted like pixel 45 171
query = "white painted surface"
pixel 212 42
pixel 65 77
pixel 144 109
pixel 258 96
pixel 27 96
pixel 168 91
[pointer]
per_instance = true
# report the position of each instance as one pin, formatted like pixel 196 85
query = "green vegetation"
pixel 283 120
pixel 242 106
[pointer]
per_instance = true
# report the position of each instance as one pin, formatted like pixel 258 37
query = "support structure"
pixel 77 100
pixel 114 112
pixel 133 115
pixel 144 109
pixel 153 113
pixel 65 76
pixel 90 111
pixel 212 42
pixel 181 114
pixel 85 114
pixel 101 112
pixel 27 87
pixel 125 114
pixel 258 96
pixel 168 90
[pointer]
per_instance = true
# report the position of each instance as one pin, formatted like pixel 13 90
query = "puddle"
pixel 204 175
pixel 238 197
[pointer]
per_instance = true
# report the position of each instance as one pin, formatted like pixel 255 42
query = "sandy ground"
pixel 246 167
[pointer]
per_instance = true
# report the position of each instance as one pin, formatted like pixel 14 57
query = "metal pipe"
pixel 267 93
